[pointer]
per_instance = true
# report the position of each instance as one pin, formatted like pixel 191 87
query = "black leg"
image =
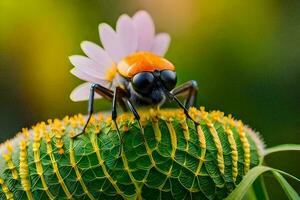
pixel 190 90
pixel 133 110
pixel 137 118
pixel 114 106
pixel 118 95
pixel 103 91
pixel 135 113
pixel 186 112
pixel 107 94
pixel 114 113
pixel 90 108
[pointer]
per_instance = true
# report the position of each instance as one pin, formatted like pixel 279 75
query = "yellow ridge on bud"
pixel 233 147
pixel 37 160
pixel 8 194
pixel 24 171
pixel 55 166
pixel 173 137
pixel 154 116
pixel 246 146
pixel 8 158
pixel 77 172
pixel 216 139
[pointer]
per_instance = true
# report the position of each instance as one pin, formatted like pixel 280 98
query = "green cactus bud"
pixel 167 157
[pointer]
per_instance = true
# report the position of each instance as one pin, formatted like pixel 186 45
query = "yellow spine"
pixel 185 128
pixel 246 146
pixel 173 138
pixel 55 166
pixel 7 157
pixel 8 194
pixel 101 163
pixel 138 188
pixel 234 152
pixel 37 158
pixel 203 149
pixel 58 129
pixel 157 132
pixel 78 174
pixel 217 142
pixel 149 151
pixel 24 171
pixel 215 115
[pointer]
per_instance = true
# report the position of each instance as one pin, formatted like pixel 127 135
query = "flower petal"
pixel 127 33
pixel 161 44
pixel 82 93
pixel 96 53
pixel 86 77
pixel 145 30
pixel 111 42
pixel 88 66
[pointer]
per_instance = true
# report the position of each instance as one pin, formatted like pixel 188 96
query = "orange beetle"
pixel 143 79
pixel 135 70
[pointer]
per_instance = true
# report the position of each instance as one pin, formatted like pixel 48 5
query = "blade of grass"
pixel 287 174
pixel 283 147
pixel 260 189
pixel 248 180
pixel 250 194
pixel 243 187
pixel 287 188
pixel 280 148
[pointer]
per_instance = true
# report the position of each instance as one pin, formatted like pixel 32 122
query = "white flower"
pixel 132 35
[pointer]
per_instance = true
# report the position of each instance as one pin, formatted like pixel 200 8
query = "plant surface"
pixel 169 157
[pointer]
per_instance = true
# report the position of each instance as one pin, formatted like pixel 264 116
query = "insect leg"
pixel 135 114
pixel 186 112
pixel 118 95
pixel 105 92
pixel 137 118
pixel 190 90
pixel 133 110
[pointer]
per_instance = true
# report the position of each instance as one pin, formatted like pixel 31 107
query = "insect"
pixel 130 69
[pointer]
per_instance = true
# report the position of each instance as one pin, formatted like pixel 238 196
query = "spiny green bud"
pixel 165 156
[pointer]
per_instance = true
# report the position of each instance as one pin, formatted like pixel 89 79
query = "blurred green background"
pixel 245 56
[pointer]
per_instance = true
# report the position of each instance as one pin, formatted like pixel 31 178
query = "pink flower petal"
pixel 127 33
pixel 161 44
pixel 111 42
pixel 96 53
pixel 82 93
pixel 88 66
pixel 145 30
pixel 86 77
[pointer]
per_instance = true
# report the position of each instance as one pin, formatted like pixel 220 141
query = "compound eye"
pixel 143 82
pixel 169 79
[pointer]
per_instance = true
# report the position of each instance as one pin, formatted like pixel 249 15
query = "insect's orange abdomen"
pixel 143 61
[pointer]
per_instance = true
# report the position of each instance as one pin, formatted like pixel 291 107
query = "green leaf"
pixel 243 187
pixel 287 174
pixel 288 189
pixel 283 147
pixel 251 194
pixel 260 188
pixel 252 175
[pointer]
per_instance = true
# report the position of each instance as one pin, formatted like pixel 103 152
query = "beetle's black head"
pixel 152 87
